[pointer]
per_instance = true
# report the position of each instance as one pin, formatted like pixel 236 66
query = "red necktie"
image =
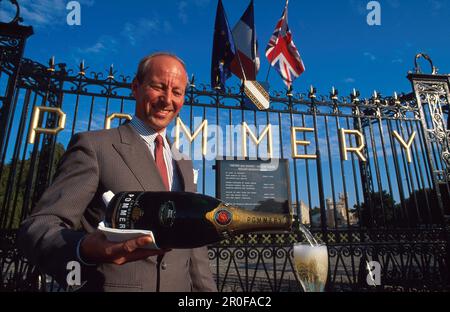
pixel 160 163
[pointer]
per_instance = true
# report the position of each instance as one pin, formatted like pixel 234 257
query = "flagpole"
pixel 268 72
pixel 254 49
pixel 237 53
pixel 235 48
pixel 239 60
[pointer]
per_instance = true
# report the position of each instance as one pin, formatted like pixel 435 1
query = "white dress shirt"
pixel 149 135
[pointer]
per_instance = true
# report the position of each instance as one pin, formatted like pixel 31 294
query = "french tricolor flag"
pixel 246 62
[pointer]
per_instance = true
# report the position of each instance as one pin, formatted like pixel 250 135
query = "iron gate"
pixel 392 207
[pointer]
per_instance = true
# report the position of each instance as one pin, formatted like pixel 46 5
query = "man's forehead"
pixel 171 68
pixel 163 75
pixel 166 61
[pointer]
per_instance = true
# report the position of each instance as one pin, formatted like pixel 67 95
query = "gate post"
pixel 12 44
pixel 432 93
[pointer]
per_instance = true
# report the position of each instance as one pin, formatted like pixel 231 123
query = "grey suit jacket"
pixel 95 162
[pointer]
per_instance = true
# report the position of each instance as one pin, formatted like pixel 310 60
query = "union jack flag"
pixel 282 53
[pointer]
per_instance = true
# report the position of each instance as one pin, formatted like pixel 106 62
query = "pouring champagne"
pixel 311 262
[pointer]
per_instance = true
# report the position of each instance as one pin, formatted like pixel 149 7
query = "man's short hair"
pixel 145 62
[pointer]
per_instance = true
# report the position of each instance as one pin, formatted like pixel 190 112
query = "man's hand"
pixel 95 248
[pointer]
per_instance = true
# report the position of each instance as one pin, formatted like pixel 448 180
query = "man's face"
pixel 160 96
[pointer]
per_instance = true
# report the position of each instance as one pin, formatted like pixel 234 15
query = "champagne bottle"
pixel 187 220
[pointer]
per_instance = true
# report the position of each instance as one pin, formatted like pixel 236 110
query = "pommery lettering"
pixel 264 220
pixel 344 135
pixel 125 211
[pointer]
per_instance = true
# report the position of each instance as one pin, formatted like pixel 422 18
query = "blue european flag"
pixel 223 49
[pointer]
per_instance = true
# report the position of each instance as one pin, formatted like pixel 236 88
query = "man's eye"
pixel 178 93
pixel 156 87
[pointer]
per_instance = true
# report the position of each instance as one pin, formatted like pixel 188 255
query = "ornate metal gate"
pixel 385 200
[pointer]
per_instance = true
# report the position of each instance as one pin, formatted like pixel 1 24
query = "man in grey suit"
pixel 135 156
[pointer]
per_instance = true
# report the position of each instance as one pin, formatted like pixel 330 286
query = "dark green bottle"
pixel 187 220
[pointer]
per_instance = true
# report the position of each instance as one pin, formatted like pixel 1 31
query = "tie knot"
pixel 159 140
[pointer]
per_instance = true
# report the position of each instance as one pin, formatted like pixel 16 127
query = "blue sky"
pixel 337 45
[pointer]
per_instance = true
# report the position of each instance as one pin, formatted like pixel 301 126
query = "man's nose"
pixel 167 97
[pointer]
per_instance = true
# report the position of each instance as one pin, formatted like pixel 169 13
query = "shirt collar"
pixel 146 132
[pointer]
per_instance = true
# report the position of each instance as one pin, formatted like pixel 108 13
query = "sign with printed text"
pixel 255 185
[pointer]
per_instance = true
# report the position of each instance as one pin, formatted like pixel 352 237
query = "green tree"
pixel 378 210
pixel 423 207
pixel 315 211
pixel 15 197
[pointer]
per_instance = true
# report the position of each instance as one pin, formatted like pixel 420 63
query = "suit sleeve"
pixel 49 236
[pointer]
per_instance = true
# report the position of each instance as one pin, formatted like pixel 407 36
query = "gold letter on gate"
pixel 114 116
pixel 34 129
pixel 190 137
pixel 407 146
pixel 357 150
pixel 267 130
pixel 296 142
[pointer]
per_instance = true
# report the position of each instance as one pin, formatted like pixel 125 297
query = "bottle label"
pixel 238 221
pixel 127 210
pixel 167 213
pixel 223 217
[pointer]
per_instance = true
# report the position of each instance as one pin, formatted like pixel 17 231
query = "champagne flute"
pixel 311 266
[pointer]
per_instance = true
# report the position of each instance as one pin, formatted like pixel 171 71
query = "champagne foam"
pixel 311 264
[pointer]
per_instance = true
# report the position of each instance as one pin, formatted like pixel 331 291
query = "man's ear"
pixel 134 86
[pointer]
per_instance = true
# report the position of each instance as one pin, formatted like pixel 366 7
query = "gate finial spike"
pixel 396 98
pixel 51 64
pixel 82 69
pixel 355 96
pixel 334 93
pixel 111 72
pixel 376 97
pixel 289 91
pixel 312 92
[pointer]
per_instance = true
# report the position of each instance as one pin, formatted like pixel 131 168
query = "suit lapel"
pixel 137 157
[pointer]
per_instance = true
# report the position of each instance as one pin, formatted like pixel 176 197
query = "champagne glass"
pixel 311 266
